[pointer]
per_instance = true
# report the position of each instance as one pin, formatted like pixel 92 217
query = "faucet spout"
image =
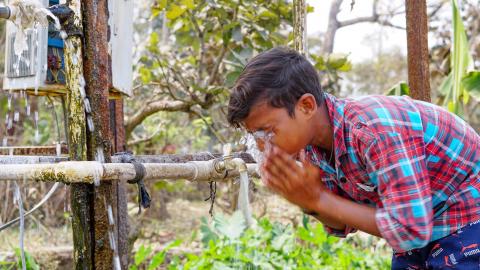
pixel 239 164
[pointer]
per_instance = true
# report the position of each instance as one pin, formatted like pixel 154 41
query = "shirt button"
pixel 343 180
pixel 358 125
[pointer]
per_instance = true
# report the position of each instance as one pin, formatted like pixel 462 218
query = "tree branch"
pixel 152 108
pixel 142 140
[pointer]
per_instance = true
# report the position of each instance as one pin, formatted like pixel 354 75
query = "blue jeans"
pixel 460 250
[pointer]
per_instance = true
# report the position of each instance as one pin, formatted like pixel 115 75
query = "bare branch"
pixel 152 108
pixel 217 65
pixel 203 49
pixel 357 20
pixel 387 23
pixel 145 139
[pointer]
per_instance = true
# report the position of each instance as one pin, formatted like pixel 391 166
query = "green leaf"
pixel 30 263
pixel 207 233
pixel 188 3
pixel 175 12
pixel 145 75
pixel 154 39
pixel 231 78
pixel 142 254
pixel 461 60
pixel 399 89
pixel 161 4
pixel 231 227
pixel 339 62
pixel 447 84
pixel 471 82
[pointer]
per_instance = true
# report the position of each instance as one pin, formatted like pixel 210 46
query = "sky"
pixel 360 41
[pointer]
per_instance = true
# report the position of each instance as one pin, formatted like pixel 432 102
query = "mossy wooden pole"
pixel 81 194
pixel 99 141
pixel 300 26
pixel 417 47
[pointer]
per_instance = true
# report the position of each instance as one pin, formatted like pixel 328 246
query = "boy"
pixel 397 168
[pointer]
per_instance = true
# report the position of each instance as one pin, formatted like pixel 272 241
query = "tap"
pixel 229 163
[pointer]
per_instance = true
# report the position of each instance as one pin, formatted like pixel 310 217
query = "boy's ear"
pixel 307 104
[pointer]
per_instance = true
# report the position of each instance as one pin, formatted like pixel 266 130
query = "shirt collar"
pixel 335 108
pixel 336 113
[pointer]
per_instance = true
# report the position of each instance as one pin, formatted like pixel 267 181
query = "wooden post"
pixel 99 141
pixel 417 46
pixel 300 26
pixel 80 194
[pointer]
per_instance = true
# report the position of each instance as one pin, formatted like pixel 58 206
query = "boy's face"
pixel 289 133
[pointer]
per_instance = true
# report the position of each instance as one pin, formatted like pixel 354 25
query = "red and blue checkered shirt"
pixel 416 163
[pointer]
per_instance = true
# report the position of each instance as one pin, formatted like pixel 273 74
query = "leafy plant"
pixel 143 258
pixel 30 263
pixel 462 80
pixel 228 244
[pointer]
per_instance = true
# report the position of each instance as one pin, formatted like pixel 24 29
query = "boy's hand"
pixel 299 184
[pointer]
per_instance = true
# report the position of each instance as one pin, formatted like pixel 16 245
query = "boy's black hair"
pixel 279 76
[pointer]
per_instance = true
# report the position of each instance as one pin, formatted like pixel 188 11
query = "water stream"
pixel 243 198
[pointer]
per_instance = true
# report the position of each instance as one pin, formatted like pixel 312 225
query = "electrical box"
pixel 40 69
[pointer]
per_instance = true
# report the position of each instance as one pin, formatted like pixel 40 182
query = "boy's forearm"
pixel 337 212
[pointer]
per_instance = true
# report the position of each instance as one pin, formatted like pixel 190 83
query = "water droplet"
pixel 37 136
pixel 111 237
pixel 74 60
pixel 16 116
pixel 90 124
pixel 99 156
pixel 10 151
pixel 5 142
pixel 86 102
pixel 58 149
pixel 110 215
pixel 10 124
pixel 116 262
pixel 82 92
pixel 63 35
pixel 81 81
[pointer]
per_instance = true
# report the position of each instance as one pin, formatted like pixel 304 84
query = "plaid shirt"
pixel 416 163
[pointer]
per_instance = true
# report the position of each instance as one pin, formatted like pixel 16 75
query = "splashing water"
pixel 252 148
pixel 5 141
pixel 19 201
pixel 243 198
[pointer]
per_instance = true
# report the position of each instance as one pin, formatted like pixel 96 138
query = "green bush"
pixel 228 244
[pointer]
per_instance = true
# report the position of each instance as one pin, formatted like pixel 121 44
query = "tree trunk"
pixel 417 46
pixel 333 26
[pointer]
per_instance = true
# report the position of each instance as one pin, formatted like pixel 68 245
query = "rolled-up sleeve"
pixel 398 168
